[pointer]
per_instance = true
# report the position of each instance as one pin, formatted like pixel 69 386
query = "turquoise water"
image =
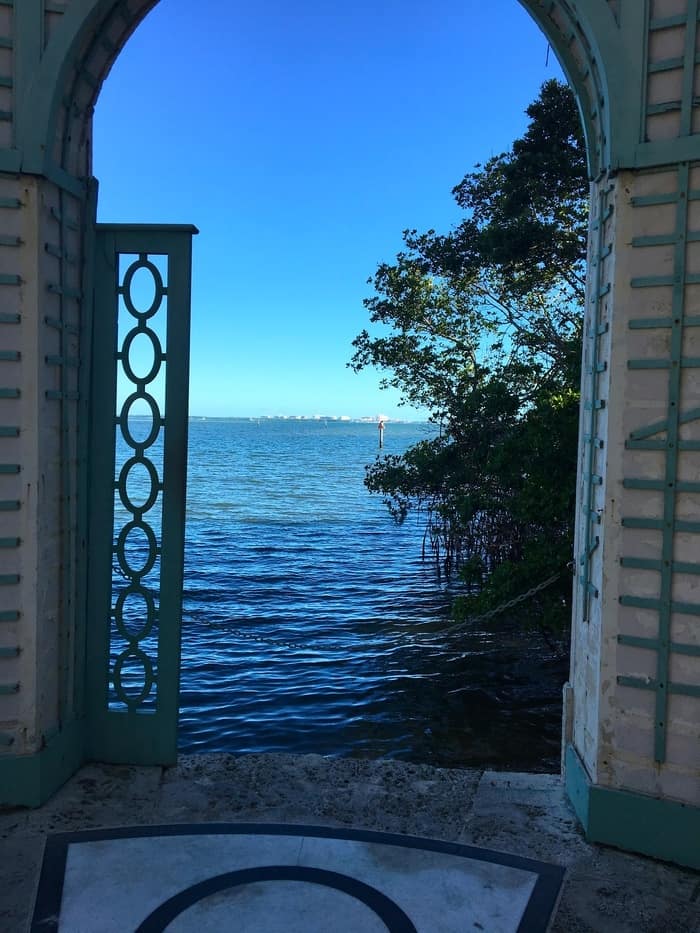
pixel 311 622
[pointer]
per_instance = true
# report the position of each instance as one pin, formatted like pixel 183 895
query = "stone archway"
pixel 631 740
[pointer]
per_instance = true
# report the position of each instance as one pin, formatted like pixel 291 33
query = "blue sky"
pixel 302 138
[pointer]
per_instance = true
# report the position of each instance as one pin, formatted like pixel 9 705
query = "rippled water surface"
pixel 310 619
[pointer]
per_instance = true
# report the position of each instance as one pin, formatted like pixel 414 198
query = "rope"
pixel 528 594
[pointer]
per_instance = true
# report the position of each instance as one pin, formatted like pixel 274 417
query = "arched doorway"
pixel 295 232
pixel 632 702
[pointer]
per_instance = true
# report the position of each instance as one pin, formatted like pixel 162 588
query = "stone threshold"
pixel 523 815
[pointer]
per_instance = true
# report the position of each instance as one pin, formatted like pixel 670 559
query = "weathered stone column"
pixel 633 703
pixel 53 58
pixel 40 597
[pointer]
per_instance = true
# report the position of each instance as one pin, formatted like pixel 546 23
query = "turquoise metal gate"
pixel 138 458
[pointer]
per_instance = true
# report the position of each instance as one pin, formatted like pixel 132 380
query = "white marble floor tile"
pixel 261 879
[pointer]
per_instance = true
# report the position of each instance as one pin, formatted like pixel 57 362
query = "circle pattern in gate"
pixel 133 689
pixel 140 358
pixel 127 546
pixel 134 612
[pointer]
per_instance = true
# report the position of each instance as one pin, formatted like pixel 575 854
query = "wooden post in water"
pixel 381 433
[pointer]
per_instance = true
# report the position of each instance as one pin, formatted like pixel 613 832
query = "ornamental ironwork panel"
pixel 138 448
pixel 138 519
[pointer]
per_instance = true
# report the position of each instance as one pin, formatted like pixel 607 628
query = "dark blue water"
pixel 312 623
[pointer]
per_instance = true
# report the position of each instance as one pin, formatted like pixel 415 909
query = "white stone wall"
pixel 630 737
pixel 614 724
pixel 38 489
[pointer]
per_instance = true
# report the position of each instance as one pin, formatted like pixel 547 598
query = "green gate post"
pixel 133 654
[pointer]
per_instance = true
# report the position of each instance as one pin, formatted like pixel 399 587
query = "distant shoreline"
pixel 339 419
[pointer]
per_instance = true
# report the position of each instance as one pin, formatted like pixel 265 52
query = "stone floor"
pixel 520 814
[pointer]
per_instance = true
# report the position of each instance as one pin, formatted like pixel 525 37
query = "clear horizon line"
pixel 316 417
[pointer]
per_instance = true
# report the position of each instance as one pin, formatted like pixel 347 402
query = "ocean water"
pixel 311 623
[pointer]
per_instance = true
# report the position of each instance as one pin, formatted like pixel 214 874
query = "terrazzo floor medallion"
pixel 287 879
